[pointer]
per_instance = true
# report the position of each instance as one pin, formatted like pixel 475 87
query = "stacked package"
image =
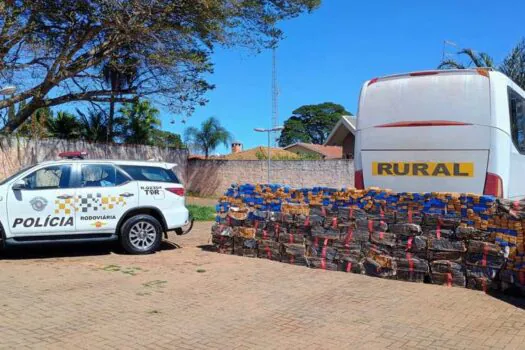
pixel 483 262
pixel 442 238
pixel 508 230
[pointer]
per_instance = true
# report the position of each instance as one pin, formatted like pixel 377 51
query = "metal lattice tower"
pixel 275 94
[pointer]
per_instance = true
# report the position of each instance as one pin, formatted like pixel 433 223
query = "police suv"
pixel 79 200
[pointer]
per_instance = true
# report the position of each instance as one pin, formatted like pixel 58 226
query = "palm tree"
pixel 477 59
pixel 64 126
pixel 93 125
pixel 140 121
pixel 208 137
pixel 512 66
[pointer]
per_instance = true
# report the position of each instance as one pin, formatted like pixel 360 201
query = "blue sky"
pixel 328 54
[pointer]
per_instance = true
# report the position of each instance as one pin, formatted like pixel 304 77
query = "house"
pixel 260 153
pixel 316 151
pixel 343 135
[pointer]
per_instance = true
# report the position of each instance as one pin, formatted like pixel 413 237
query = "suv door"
pixel 160 188
pixel 105 193
pixel 44 204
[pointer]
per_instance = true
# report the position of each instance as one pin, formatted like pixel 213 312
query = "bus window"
pixel 517 119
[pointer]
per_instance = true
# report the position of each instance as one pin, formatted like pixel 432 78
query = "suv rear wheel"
pixel 141 234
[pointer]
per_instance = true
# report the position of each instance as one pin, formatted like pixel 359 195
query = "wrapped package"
pixel 444 249
pixel 266 234
pixel 321 248
pixel 438 233
pixel 411 269
pixel 482 278
pixel 371 225
pixel 293 237
pixel 237 216
pixel 484 254
pixel 468 232
pixel 269 250
pixel 222 244
pixel 350 264
pixel 383 238
pixel 441 221
pixel 321 232
pixel 245 247
pixel 374 268
pixel 414 245
pixel 405 229
pixel 410 217
pixel 321 263
pixel 293 254
pixel 447 273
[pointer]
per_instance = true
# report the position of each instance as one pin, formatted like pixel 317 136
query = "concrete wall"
pixel 20 152
pixel 213 177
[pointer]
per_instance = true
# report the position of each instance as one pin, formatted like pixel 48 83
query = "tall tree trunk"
pixel 109 136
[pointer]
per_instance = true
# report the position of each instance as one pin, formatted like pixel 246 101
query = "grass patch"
pixel 201 213
pixel 201 270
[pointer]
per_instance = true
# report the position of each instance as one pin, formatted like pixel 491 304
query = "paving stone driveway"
pixel 187 298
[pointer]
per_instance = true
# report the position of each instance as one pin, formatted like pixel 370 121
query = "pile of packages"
pixel 449 239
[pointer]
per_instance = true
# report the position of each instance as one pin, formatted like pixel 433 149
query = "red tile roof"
pixel 328 152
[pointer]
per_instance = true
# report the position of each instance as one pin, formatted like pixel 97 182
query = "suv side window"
pixel 150 173
pixel 101 175
pixel 517 119
pixel 51 177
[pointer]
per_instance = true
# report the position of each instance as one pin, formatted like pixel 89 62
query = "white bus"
pixel 442 131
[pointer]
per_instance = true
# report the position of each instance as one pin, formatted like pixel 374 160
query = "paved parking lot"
pixel 188 298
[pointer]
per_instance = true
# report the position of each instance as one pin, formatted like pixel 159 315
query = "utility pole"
pixel 269 131
pixel 275 94
pixel 444 53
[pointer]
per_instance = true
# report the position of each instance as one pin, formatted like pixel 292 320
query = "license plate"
pixel 431 169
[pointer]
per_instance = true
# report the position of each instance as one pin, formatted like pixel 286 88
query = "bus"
pixel 442 131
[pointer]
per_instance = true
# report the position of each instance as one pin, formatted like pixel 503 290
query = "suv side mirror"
pixel 19 185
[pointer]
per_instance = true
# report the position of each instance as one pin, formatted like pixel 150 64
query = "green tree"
pixel 55 48
pixel 210 135
pixel 163 138
pixel 119 73
pixel 311 123
pixel 93 125
pixel 64 126
pixel 140 122
pixel 512 66
pixel 36 125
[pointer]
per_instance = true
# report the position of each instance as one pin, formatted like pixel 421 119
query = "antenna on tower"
pixel 275 94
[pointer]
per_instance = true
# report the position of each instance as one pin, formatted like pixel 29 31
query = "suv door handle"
pixel 127 194
pixel 65 196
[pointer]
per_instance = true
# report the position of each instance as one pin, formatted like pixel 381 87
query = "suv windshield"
pixel 16 174
pixel 150 173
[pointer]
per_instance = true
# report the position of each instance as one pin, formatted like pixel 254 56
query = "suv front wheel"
pixel 141 234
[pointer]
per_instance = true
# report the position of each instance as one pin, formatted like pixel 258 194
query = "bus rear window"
pixel 517 119
pixel 150 173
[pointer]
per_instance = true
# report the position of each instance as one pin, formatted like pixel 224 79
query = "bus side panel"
pixel 499 158
pixel 504 160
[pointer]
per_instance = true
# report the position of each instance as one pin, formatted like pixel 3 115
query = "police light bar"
pixel 73 155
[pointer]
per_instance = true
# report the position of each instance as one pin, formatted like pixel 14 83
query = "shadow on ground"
pixel 512 296
pixel 49 251
pixel 208 247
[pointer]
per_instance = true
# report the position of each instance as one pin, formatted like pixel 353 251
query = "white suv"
pixel 77 200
